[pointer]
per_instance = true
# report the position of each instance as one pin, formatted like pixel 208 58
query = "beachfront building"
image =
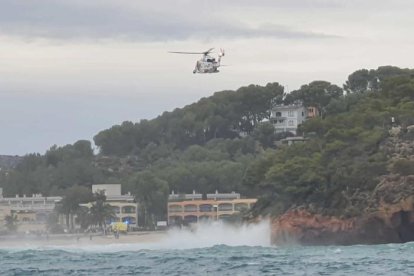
pixel 4 211
pixel 124 206
pixel 31 212
pixel 192 208
pixel 287 118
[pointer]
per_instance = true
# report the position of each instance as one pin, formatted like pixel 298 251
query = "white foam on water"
pixel 219 233
pixel 199 236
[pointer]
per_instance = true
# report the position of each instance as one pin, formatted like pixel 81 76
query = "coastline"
pixel 81 239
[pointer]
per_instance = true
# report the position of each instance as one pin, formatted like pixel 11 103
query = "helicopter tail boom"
pixel 221 54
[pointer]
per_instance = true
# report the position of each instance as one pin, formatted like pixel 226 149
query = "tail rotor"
pixel 221 53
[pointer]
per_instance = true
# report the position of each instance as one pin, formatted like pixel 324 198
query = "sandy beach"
pixel 82 239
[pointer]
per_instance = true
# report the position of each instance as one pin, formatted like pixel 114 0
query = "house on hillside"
pixel 287 118
pixel 313 112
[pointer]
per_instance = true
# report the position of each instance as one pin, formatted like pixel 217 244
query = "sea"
pixel 211 249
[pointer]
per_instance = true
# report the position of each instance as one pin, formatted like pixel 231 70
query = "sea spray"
pixel 202 235
pixel 219 233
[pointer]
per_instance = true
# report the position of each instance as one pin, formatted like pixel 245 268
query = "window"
pixel 225 207
pixel 190 219
pixel 175 208
pixel 290 123
pixel 116 209
pixel 190 208
pixel 128 209
pixel 240 206
pixel 129 220
pixel 290 113
pixel 203 218
pixel 206 208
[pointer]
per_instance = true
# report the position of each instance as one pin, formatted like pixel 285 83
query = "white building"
pixel 32 212
pixel 287 118
pixel 108 189
pixel 124 206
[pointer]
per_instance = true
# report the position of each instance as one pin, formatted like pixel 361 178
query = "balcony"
pixel 206 208
pixel 190 208
pixel 128 209
pixel 175 209
pixel 49 207
pixel 225 207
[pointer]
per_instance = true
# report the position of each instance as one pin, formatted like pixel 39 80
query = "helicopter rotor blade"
pixel 194 53
pixel 188 53
pixel 208 51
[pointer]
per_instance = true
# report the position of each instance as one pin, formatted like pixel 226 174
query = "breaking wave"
pixel 202 235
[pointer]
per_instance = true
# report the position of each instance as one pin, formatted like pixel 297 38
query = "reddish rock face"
pixel 389 224
pixel 392 220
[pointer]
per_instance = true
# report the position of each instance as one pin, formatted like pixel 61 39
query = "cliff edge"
pixel 388 216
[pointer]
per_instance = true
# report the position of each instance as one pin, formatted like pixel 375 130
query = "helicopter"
pixel 207 64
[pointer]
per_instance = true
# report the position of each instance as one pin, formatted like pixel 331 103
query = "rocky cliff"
pixel 388 216
pixel 390 222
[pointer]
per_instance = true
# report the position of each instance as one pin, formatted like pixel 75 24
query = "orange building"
pixel 215 207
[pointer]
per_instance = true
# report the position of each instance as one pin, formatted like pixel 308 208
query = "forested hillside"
pixel 223 115
pixel 9 162
pixel 224 142
pixel 339 167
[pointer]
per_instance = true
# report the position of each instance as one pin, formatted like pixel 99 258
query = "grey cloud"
pixel 103 19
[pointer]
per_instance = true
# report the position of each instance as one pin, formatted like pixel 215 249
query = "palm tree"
pixel 100 211
pixel 11 222
pixel 83 217
pixel 151 193
pixel 70 204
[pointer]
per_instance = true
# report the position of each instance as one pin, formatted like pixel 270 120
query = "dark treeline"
pixel 223 115
pixel 224 142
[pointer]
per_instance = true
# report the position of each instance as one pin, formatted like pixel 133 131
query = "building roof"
pixel 37 197
pixel 109 189
pixel 286 107
pixel 120 198
pixel 217 195
pixel 177 197
pixel 196 196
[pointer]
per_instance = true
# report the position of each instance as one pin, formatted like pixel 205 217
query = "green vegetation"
pixel 224 143
pixel 69 206
pixel 100 211
pixel 151 193
pixel 338 168
pixel 10 221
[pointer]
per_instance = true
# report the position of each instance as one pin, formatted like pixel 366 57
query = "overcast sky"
pixel 69 69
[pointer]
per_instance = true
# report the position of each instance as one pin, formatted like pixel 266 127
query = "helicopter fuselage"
pixel 207 65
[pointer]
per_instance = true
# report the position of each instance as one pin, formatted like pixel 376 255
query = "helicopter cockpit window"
pixel 210 60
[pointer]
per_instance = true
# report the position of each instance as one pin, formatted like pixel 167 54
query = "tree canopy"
pixel 225 142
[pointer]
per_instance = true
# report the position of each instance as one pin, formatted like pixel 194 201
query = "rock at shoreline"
pixel 392 220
